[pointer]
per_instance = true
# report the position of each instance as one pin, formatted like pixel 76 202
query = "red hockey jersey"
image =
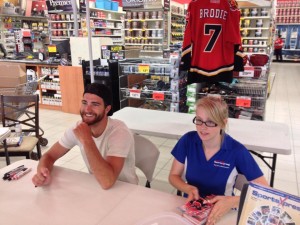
pixel 212 30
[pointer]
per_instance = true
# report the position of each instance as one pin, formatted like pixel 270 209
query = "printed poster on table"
pixel 267 206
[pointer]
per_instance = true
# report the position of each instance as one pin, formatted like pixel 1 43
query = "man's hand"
pixel 83 132
pixel 42 177
pixel 222 205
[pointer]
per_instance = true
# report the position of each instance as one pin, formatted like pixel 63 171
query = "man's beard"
pixel 94 121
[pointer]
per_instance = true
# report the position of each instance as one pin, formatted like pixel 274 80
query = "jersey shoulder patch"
pixel 233 5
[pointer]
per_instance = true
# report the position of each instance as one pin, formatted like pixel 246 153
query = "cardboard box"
pixel 11 82
pixel 12 74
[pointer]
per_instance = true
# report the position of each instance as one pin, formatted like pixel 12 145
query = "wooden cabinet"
pixel 61 89
pixel 71 80
pixel 49 88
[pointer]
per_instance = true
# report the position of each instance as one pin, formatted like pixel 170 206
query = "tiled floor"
pixel 283 105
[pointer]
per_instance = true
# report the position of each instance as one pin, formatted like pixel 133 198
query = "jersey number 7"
pixel 214 30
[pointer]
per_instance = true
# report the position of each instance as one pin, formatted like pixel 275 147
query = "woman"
pixel 212 160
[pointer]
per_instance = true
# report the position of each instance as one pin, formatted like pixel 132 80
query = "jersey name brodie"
pixel 213 13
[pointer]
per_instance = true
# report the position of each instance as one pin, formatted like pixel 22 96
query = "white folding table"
pixel 258 136
pixel 75 197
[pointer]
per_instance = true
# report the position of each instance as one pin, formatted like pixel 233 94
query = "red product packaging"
pixel 197 211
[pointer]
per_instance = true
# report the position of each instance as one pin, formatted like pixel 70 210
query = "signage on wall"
pixel 166 5
pixel 142 4
pixel 55 6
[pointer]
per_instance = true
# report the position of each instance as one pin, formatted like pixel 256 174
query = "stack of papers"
pixel 4 133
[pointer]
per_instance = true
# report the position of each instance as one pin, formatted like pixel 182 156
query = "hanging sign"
pixel 56 6
pixel 166 5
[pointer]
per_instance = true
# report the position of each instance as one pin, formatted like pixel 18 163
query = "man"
pixel 106 144
pixel 278 45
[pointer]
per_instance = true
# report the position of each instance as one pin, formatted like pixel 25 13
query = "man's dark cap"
pixel 102 91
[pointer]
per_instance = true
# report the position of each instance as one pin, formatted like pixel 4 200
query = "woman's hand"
pixel 193 193
pixel 222 205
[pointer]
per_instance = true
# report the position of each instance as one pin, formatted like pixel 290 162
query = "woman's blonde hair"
pixel 215 108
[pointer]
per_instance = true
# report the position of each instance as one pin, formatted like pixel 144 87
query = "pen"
pixel 21 173
pixel 12 172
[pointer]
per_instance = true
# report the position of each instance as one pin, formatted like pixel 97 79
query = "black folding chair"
pixel 23 109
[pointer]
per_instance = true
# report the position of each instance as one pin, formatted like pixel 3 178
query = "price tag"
pixel 248 72
pixel 52 48
pixel 158 95
pixel 143 69
pixel 135 93
pixel 243 101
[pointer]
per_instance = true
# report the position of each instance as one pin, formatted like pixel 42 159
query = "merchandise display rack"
pixel 106 23
pixel 246 96
pixel 177 23
pixel 144 30
pixel 50 88
pixel 288 26
pixel 62 25
pixel 152 84
pixel 103 23
pixel 12 24
pixel 257 29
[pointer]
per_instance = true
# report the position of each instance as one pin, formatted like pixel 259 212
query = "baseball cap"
pixel 102 91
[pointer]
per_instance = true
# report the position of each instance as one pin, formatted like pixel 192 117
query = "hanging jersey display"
pixel 212 30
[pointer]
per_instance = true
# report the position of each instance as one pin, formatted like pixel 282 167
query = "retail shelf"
pixel 143 20
pixel 177 14
pixel 255 17
pixel 61 21
pixel 255 28
pixel 256 38
pixel 97 18
pixel 107 35
pixel 107 11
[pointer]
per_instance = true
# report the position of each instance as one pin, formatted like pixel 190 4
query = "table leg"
pixel 273 170
pixel 271 167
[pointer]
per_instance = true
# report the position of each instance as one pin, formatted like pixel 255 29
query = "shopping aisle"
pixel 282 106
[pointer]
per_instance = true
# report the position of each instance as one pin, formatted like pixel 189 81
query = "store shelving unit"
pixel 257 29
pixel 177 23
pixel 106 23
pixel 288 26
pixel 144 30
pixel 62 25
pixel 152 84
pixel 10 24
pixel 49 89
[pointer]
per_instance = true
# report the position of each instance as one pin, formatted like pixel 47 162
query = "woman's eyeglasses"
pixel 207 123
